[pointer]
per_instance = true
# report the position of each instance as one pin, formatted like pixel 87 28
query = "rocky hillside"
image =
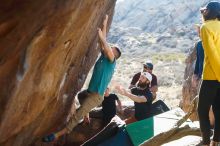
pixel 157 16
pixel 160 31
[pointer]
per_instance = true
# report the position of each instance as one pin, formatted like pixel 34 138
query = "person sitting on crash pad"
pixel 142 97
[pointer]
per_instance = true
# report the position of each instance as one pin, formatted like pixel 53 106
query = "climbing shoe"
pixel 49 138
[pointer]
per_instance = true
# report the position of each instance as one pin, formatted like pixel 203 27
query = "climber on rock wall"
pixel 101 77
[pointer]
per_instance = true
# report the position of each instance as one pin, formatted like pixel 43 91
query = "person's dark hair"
pixel 218 17
pixel 213 11
pixel 119 51
pixel 149 65
pixel 212 15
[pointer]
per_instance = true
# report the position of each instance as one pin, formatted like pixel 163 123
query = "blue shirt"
pixel 102 75
pixel 200 59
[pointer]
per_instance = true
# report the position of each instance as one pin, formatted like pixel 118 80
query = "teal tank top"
pixel 102 75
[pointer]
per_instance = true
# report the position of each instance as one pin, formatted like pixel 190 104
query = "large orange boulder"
pixel 189 92
pixel 46 50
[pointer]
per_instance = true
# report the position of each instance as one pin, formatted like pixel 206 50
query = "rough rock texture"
pixel 188 91
pixel 83 131
pixel 47 49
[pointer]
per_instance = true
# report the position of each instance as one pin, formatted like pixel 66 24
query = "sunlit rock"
pixel 46 51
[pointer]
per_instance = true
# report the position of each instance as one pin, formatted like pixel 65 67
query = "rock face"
pixel 84 131
pixel 189 92
pixel 47 49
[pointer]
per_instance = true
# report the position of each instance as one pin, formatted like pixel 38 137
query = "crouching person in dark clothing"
pixel 141 96
pixel 109 106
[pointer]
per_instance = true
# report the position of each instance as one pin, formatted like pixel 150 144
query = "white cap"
pixel 147 75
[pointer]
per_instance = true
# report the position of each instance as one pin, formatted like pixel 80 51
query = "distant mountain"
pixel 157 15
pixel 158 25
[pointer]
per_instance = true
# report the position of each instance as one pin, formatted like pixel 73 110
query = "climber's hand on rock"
pixel 105 22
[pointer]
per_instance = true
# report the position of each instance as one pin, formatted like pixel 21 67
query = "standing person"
pixel 196 78
pixel 209 94
pixel 147 67
pixel 102 74
pixel 109 106
pixel 141 96
pixel 199 61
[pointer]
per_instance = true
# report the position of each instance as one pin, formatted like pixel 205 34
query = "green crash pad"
pixel 142 130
